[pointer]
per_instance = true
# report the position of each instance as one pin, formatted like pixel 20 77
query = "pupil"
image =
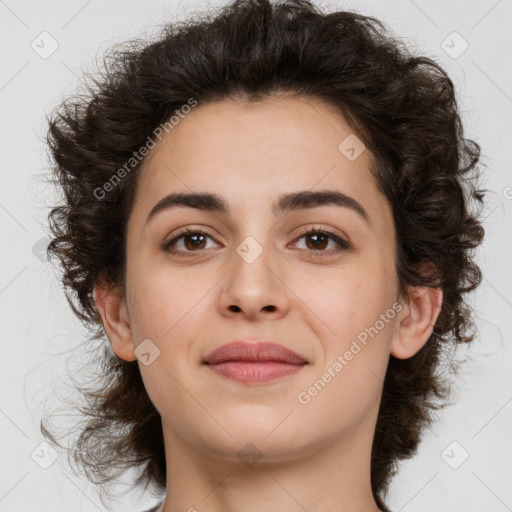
pixel 195 237
pixel 317 236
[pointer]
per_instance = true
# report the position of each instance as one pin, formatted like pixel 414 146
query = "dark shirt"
pixel 155 508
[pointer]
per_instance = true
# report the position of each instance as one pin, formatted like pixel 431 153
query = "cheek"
pixel 355 341
pixel 163 301
pixel 343 301
pixel 167 308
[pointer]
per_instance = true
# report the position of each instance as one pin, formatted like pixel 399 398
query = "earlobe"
pixel 416 321
pixel 112 307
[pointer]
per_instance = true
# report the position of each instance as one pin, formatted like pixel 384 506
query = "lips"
pixel 254 364
pixel 262 351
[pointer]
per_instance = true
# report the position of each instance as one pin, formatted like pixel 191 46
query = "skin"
pixel 314 456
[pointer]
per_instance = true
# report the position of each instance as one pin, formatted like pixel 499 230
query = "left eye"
pixel 194 241
pixel 320 238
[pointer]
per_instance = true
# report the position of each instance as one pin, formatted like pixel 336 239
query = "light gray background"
pixel 36 322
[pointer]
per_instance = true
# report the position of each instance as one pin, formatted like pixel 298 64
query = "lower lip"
pixel 255 372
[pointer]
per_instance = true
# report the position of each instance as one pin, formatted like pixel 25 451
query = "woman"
pixel 269 214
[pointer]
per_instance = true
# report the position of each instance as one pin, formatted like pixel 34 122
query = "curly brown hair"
pixel 403 107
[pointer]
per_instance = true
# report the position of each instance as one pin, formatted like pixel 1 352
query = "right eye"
pixel 192 241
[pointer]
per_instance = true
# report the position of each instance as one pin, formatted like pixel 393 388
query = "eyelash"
pixel 343 245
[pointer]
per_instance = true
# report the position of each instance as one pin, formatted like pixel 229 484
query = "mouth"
pixel 254 362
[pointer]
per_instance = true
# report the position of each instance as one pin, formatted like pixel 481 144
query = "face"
pixel 253 273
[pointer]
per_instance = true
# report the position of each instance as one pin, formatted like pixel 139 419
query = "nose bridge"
pixel 255 243
pixel 252 261
pixel 252 286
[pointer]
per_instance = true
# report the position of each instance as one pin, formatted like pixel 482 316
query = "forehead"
pixel 252 153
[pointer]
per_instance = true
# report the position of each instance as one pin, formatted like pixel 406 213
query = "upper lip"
pixel 259 351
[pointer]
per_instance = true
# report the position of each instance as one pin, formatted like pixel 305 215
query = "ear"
pixel 416 321
pixel 112 307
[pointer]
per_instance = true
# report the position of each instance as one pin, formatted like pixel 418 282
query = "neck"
pixel 332 475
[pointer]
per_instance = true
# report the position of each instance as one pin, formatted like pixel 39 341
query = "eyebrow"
pixel 292 201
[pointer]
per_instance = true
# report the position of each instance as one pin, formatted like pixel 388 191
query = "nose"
pixel 253 287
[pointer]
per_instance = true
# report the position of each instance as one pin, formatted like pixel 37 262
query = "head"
pixel 253 114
